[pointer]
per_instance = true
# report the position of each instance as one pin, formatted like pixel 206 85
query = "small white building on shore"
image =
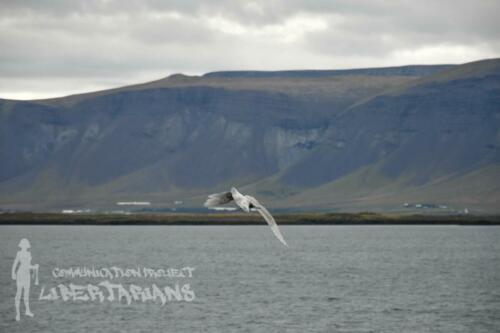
pixel 133 203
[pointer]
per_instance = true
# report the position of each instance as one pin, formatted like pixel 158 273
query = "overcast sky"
pixel 59 47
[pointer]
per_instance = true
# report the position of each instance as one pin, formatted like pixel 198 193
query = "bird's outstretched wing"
pixel 218 199
pixel 268 217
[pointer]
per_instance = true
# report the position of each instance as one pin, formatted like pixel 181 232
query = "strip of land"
pixel 243 219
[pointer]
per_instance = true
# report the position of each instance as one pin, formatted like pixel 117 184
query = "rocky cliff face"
pixel 431 130
pixel 280 136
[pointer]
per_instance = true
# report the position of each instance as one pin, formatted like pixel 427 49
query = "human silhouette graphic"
pixel 21 272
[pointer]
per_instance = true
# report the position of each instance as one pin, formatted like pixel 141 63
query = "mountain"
pixel 361 139
pixel 414 70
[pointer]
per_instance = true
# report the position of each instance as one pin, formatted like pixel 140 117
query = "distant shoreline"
pixel 243 219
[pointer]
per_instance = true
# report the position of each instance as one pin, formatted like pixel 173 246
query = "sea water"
pixel 330 279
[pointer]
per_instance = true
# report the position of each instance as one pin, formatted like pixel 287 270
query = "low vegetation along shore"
pixel 243 219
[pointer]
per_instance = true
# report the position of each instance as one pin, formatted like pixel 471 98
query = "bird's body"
pixel 241 200
pixel 245 202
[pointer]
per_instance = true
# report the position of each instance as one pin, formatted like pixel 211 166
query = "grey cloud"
pixel 183 30
pixel 411 25
pixel 117 41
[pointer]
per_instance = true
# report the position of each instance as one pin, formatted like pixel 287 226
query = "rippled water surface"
pixel 331 279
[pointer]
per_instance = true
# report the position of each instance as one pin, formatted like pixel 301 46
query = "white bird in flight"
pixel 245 202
